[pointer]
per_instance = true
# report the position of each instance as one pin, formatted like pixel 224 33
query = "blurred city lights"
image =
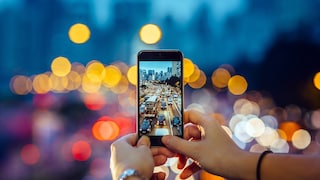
pixel 81 150
pixel 30 154
pixel 220 78
pixel 95 71
pixel 316 80
pixel 79 33
pixel 289 128
pixel 301 139
pixel 112 77
pixel 21 85
pixel 252 120
pixel 60 66
pixel 188 68
pixel 41 84
pixel 94 101
pixel 105 129
pixel 200 82
pixel 207 176
pixel 150 34
pixel 237 85
pixel 132 75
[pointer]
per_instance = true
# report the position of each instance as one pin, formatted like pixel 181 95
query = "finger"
pixel 196 117
pixel 162 151
pixel 144 141
pixel 189 170
pixel 191 131
pixel 181 146
pixel 131 138
pixel 158 176
pixel 159 160
pixel 182 161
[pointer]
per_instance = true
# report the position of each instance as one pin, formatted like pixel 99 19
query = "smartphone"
pixel 160 94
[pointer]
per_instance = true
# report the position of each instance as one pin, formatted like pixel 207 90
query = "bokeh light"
pixel 81 150
pixel 94 101
pixel 316 80
pixel 188 67
pixel 95 71
pixel 301 139
pixel 112 77
pixel 132 75
pixel 237 85
pixel 41 84
pixel 150 34
pixel 105 129
pixel 204 175
pixel 21 85
pixel 220 78
pixel 30 154
pixel 200 82
pixel 60 66
pixel 79 33
pixel 289 128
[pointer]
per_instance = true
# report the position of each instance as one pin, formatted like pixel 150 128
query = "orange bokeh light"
pixel 105 129
pixel 30 154
pixel 289 128
pixel 81 150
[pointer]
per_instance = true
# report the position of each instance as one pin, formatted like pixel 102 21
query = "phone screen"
pixel 160 94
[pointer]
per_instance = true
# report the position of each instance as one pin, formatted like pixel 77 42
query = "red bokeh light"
pixel 81 150
pixel 30 154
pixel 94 101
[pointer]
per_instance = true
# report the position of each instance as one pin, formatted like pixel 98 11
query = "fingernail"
pixel 144 140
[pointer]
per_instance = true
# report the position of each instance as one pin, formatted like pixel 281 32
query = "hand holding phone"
pixel 160 94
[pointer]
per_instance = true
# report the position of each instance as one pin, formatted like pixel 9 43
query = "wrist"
pixel 131 174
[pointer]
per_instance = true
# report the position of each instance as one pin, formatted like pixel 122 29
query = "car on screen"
pixel 145 127
pixel 161 121
pixel 176 121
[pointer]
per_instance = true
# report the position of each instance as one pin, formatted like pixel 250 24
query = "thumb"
pixel 144 141
pixel 180 145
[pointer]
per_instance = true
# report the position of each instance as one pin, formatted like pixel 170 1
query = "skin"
pixel 212 150
pixel 129 152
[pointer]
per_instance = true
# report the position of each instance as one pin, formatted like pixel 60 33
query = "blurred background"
pixel 68 77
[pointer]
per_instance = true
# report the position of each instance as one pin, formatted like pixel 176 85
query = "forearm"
pixel 273 166
pixel 288 166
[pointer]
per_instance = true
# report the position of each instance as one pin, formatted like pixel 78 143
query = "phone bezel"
pixel 159 55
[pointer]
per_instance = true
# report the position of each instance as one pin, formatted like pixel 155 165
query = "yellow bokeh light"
pixel 132 75
pixel 89 86
pixel 220 78
pixel 60 66
pixel 200 82
pixel 122 87
pixel 79 33
pixel 58 84
pixel 95 71
pixel 150 34
pixel 41 84
pixel 188 67
pixel 112 77
pixel 74 80
pixel 237 85
pixel 194 76
pixel 21 85
pixel 316 80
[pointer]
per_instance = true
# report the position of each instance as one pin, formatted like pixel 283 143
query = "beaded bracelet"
pixel 258 171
